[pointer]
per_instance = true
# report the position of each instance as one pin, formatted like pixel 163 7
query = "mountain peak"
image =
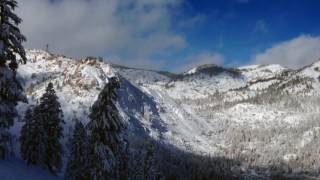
pixel 199 68
pixel 211 70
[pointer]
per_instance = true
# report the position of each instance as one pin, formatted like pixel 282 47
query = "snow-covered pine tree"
pixel 50 118
pixel 10 88
pixel 107 147
pixel 42 131
pixel 10 36
pixel 77 164
pixel 31 138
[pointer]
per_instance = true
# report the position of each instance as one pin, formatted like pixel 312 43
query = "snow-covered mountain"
pixel 264 116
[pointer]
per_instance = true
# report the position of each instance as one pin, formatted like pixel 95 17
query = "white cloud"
pixel 201 59
pixel 134 29
pixel 295 53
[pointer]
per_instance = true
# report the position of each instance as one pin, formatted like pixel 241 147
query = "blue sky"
pixel 176 35
pixel 241 28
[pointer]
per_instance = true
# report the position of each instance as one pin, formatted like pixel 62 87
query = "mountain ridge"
pixel 219 115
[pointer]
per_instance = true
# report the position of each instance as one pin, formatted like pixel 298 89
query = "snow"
pixel 262 85
pixel 255 72
pixel 191 71
pixel 75 97
pixel 309 135
pixel 289 157
pixel 138 76
pixel 203 85
pixel 312 69
pixel 18 170
pixel 313 72
pixel 249 67
pixel 91 74
pixel 252 115
pixel 294 119
pixel 184 112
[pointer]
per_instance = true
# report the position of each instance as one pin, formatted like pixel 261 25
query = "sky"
pixel 175 35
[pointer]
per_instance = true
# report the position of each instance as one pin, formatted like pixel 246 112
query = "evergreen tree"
pixel 150 170
pixel 31 138
pixel 41 134
pixel 10 88
pixel 77 163
pixel 107 147
pixel 10 36
pixel 50 115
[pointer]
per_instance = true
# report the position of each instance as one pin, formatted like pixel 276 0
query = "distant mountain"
pixel 265 116
pixel 210 69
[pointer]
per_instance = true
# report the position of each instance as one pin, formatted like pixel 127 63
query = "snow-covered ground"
pixel 212 110
pixel 18 170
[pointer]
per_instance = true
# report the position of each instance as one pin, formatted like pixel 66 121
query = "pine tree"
pixel 31 138
pixel 107 146
pixel 77 163
pixel 149 164
pixel 50 115
pixel 10 36
pixel 10 88
pixel 41 134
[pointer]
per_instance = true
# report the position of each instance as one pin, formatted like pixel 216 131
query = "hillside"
pixel 265 117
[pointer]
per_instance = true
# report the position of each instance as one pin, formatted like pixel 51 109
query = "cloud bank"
pixel 138 33
pixel 295 53
pixel 125 29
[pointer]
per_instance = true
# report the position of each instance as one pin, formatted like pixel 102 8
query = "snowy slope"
pixel 255 72
pixel 18 170
pixel 252 110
